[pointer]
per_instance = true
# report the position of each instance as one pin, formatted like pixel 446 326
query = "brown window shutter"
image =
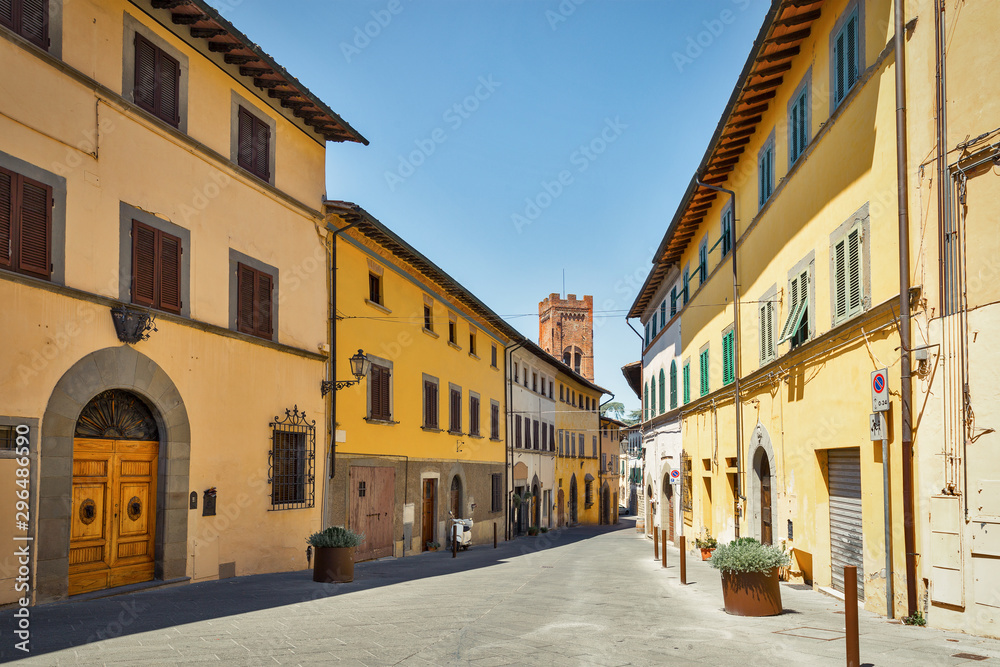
pixel 244 150
pixel 170 272
pixel 144 84
pixel 374 377
pixel 434 405
pixel 7 13
pixel 245 301
pixel 35 229
pixel 262 314
pixel 7 191
pixel 34 24
pixel 143 264
pixel 261 141
pixel 517 430
pixel 384 390
pixel 168 75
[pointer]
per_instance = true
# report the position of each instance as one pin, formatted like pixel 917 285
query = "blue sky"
pixel 513 139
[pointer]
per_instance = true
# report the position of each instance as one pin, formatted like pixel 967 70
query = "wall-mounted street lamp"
pixel 132 326
pixel 359 367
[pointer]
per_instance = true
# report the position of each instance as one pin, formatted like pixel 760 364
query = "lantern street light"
pixel 359 367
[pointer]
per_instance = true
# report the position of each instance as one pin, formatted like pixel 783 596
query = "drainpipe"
pixel 508 355
pixel 332 364
pixel 909 533
pixel 737 353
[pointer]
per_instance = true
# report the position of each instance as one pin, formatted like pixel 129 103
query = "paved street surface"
pixel 585 596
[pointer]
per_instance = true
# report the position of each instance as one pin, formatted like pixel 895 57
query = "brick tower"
pixel 566 331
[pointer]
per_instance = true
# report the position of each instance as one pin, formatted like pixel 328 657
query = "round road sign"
pixel 878 384
pixel 675 474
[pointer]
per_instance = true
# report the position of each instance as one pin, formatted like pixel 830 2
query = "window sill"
pixel 494 367
pixel 495 440
pixel 430 332
pixel 378 306
pixel 476 436
pixel 455 433
pixel 454 345
pixel 474 356
pixel 430 429
pixel 387 422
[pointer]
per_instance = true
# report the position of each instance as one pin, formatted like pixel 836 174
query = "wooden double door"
pixel 113 518
pixel 373 493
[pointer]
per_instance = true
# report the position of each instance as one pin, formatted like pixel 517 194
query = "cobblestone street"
pixel 581 596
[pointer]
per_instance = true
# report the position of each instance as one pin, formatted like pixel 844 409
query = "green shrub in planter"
pixel 748 555
pixel 708 543
pixel 543 529
pixel 336 537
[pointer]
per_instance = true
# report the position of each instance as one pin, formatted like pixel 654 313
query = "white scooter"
pixel 464 530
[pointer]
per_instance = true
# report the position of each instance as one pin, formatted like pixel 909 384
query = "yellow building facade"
pixel 807 145
pixel 145 165
pixel 577 449
pixel 422 436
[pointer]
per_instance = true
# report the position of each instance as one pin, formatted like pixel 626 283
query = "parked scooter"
pixel 464 531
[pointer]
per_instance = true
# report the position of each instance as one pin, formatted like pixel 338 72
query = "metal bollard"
pixel 663 548
pixel 454 540
pixel 684 569
pixel 494 535
pixel 851 615
pixel 656 543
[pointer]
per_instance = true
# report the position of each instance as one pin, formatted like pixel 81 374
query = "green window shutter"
pixel 840 280
pixel 762 328
pixel 673 385
pixel 687 383
pixel 855 298
pixel 673 301
pixel 663 313
pixel 793 122
pixel 645 402
pixel 798 306
pixel 728 360
pixel 852 49
pixel 704 372
pixel 663 400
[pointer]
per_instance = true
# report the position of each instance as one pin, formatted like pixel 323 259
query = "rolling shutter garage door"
pixel 846 541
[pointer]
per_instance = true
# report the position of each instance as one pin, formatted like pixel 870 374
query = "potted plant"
pixel 433 546
pixel 543 529
pixel 707 545
pixel 334 554
pixel 750 576
pixel 515 500
pixel 532 531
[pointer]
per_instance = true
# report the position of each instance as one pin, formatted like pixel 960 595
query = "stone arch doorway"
pixel 120 368
pixel 572 500
pixel 536 504
pixel 115 455
pixel 763 488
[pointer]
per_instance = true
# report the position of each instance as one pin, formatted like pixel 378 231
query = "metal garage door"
pixel 846 541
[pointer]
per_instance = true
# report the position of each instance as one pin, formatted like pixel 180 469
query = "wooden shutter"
pixel 456 410
pixel 144 82
pixel 7 13
pixel 840 279
pixel 143 264
pixel 838 62
pixel 552 437
pixel 384 394
pixel 34 24
pixel 517 431
pixel 851 51
pixel 262 312
pixel 7 196
pixel 687 383
pixel 473 415
pixel 262 142
pixel 244 139
pixel 375 389
pixel 245 299
pixel 35 229
pixel 536 441
pixel 168 83
pixel 169 253
pixel 854 287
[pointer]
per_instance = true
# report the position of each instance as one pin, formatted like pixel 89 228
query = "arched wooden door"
pixel 113 518
pixel 536 507
pixel 764 474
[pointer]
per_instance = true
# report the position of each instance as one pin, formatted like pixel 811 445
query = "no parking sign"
pixel 675 476
pixel 880 390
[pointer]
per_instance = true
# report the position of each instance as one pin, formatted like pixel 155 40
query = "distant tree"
pixel 633 418
pixel 614 409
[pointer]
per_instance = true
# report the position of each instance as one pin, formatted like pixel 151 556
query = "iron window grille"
pixel 8 438
pixel 292 460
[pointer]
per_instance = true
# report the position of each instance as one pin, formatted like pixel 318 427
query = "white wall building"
pixel 661 401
